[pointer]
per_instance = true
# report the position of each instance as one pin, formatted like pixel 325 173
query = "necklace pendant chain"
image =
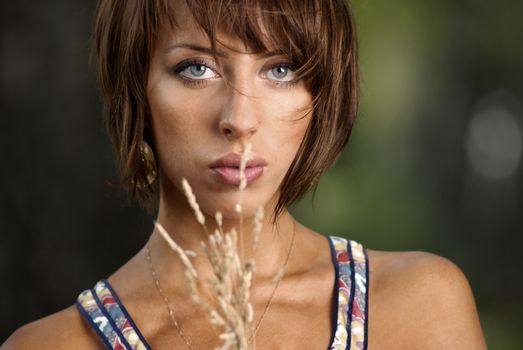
pixel 171 312
pixel 165 300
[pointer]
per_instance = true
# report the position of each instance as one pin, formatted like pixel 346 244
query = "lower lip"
pixel 231 176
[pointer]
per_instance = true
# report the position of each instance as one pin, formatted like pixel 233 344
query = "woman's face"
pixel 201 122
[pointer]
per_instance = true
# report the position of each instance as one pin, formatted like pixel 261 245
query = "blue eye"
pixel 198 71
pixel 195 70
pixel 281 73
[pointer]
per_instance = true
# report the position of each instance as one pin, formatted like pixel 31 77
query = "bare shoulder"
pixel 62 330
pixel 423 301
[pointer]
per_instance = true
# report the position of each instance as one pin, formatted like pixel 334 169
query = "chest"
pixel 300 316
pixel 310 308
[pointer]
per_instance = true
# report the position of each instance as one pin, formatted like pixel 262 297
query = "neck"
pixel 270 253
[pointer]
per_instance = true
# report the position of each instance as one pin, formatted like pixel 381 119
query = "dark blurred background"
pixel 434 163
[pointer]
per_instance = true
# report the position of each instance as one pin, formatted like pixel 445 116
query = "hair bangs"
pixel 317 36
pixel 288 28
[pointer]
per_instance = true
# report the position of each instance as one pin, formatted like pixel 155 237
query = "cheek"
pixel 292 114
pixel 182 123
pixel 174 111
pixel 176 122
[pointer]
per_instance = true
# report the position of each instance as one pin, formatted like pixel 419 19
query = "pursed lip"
pixel 233 160
pixel 227 168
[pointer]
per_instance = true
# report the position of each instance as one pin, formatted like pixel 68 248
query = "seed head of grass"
pixel 191 198
pixel 231 279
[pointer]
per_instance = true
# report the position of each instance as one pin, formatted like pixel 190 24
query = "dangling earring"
pixel 148 163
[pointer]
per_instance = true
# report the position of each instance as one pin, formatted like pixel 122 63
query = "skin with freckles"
pixel 201 111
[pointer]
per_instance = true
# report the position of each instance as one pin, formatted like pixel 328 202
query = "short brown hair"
pixel 318 35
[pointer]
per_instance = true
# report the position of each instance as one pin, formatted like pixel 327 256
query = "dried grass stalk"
pixel 231 279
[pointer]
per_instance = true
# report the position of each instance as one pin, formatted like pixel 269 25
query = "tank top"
pixel 105 313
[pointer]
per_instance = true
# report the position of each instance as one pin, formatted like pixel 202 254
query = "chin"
pixel 227 206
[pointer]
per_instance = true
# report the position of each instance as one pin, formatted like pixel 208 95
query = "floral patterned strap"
pixel 107 315
pixel 104 311
pixel 352 274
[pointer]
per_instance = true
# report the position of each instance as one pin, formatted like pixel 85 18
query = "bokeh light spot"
pixel 494 142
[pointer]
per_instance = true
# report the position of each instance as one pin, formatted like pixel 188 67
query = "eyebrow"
pixel 209 51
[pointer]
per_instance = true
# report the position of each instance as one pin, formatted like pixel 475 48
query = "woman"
pixel 187 85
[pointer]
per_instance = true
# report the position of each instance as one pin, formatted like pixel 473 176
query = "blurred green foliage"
pixel 405 181
pixel 434 162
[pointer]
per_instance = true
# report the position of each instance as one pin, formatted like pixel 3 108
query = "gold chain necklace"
pixel 168 304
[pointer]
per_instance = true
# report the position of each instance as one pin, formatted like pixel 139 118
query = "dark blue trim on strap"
pixel 111 321
pixel 351 298
pixel 88 318
pixel 367 292
pixel 335 301
pixel 126 314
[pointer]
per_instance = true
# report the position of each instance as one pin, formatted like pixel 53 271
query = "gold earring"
pixel 148 163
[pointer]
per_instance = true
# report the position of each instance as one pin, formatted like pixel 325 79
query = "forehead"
pixel 185 29
pixel 243 26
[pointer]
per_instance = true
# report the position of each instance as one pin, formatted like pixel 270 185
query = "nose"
pixel 239 116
